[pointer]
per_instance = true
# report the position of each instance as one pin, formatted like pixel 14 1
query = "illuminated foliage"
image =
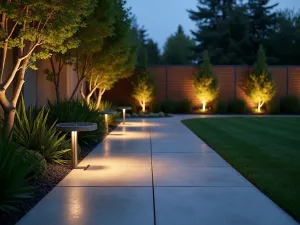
pixel 143 89
pixel 260 87
pixel 205 82
pixel 117 58
pixel 33 29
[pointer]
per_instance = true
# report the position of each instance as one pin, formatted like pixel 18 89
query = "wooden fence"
pixel 175 83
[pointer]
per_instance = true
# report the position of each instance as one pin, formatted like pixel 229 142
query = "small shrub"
pixel 76 111
pixel 133 107
pixel 184 106
pixel 151 114
pixel 156 107
pixel 34 134
pixel 168 106
pixel 220 107
pixel 161 114
pixel 134 115
pixel 16 171
pixel 273 107
pixel 289 104
pixel 39 163
pixel 237 106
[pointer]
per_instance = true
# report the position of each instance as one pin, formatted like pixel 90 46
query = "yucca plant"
pixel 16 172
pixel 32 132
pixel 77 111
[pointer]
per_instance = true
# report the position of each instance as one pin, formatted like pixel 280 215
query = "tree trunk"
pixel 203 106
pixel 143 106
pixel 9 117
pixel 9 114
pixel 57 90
pixel 99 99
pixel 260 104
pixel 77 88
pixel 56 77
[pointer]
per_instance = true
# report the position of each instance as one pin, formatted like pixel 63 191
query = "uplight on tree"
pixel 260 87
pixel 205 82
pixel 143 91
pixel 143 87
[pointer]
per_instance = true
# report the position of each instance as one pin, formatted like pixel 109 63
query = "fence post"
pixel 235 82
pixel 167 75
pixel 287 81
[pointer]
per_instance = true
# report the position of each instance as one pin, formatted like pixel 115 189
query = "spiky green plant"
pixel 16 171
pixel 32 132
pixel 77 111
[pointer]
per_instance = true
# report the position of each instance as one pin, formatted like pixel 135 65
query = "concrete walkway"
pixel 155 172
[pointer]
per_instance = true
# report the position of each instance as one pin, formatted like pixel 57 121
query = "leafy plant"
pixel 35 134
pixel 184 106
pixel 220 107
pixel 289 104
pixel 237 106
pixel 156 107
pixel 205 82
pixel 168 106
pixel 273 106
pixel 133 107
pixel 39 164
pixel 76 111
pixel 33 29
pixel 16 171
pixel 260 87
pixel 143 90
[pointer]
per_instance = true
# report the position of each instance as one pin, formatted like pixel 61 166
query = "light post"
pixel 106 113
pixel 124 108
pixel 74 128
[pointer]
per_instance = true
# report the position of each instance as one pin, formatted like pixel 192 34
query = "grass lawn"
pixel 265 150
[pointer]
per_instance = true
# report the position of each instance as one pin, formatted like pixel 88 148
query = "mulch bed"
pixel 54 174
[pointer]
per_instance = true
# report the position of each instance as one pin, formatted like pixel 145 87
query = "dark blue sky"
pixel 162 17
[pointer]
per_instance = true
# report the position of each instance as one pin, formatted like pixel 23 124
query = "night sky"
pixel 162 17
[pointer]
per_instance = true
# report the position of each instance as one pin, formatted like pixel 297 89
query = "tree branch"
pixel 16 68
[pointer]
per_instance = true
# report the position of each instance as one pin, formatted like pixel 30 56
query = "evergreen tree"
pixel 152 52
pixel 178 49
pixel 141 49
pixel 260 87
pixel 143 86
pixel 222 28
pixel 262 20
pixel 205 82
pixel 287 53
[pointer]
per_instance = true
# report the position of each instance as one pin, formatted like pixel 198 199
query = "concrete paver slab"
pixel 114 146
pixel 188 159
pixel 112 159
pixel 198 176
pixel 93 206
pixel 183 147
pixel 217 206
pixel 113 175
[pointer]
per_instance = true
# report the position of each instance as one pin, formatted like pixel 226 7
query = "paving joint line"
pixel 152 174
